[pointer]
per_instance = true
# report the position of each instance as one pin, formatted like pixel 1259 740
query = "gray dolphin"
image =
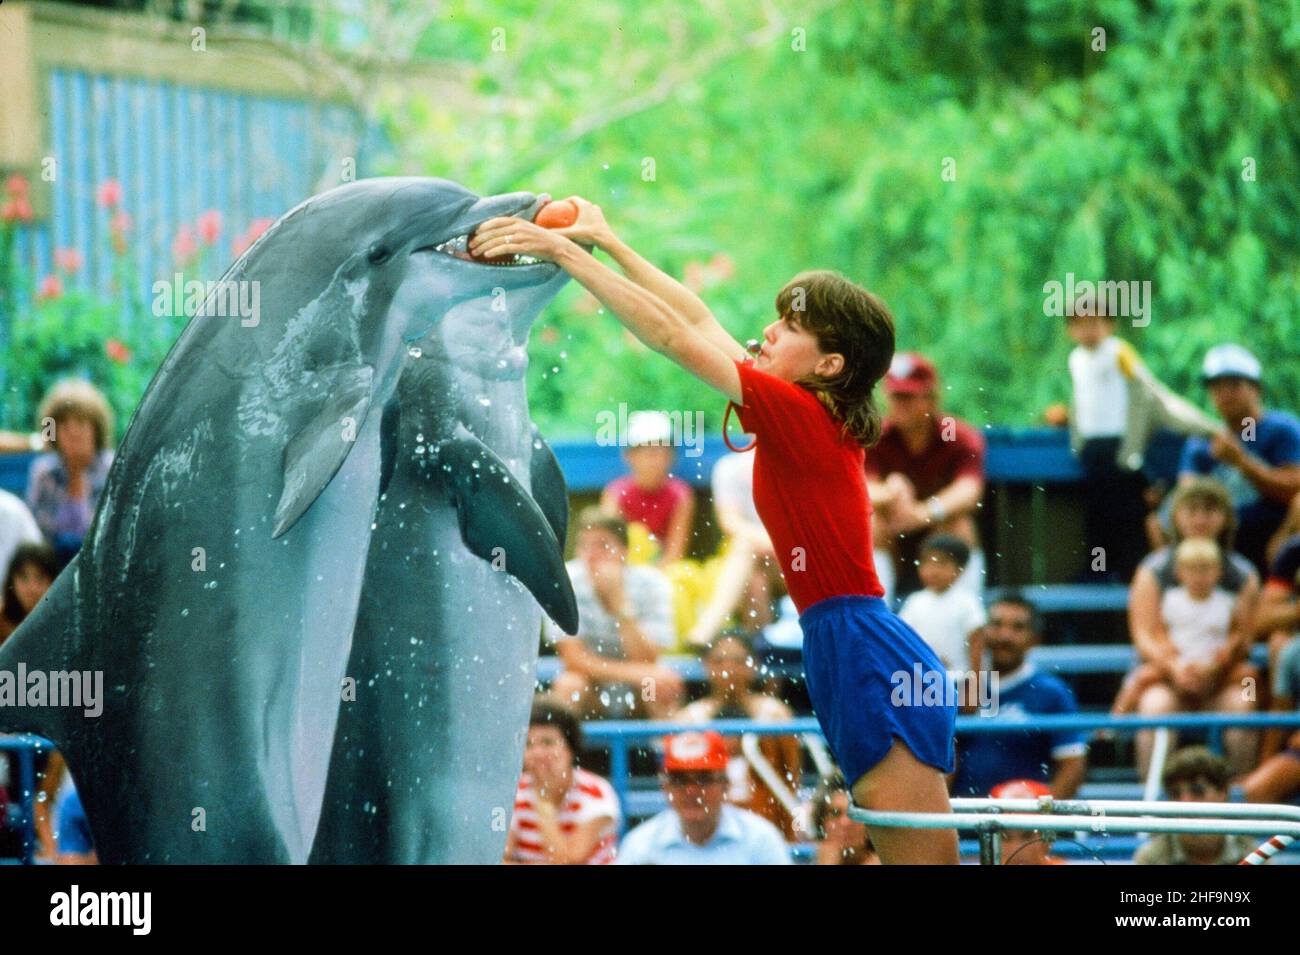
pixel 218 586
pixel 428 755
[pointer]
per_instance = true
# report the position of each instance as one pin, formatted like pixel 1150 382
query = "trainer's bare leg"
pixel 902 783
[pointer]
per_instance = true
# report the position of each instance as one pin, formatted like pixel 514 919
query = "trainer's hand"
pixel 510 235
pixel 590 227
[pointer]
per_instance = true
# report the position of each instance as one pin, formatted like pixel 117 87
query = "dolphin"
pixel 428 754
pixel 218 586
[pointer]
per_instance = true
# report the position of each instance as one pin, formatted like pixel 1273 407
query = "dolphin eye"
pixel 378 253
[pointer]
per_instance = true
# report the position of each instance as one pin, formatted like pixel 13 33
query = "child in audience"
pixel 649 495
pixel 950 619
pixel 1200 620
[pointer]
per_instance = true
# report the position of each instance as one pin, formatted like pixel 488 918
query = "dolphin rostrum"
pixel 218 586
pixel 428 754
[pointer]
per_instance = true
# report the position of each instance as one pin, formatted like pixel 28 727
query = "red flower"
pixel 116 351
pixel 51 288
pixel 184 246
pixel 67 260
pixel 110 193
pixel 17 210
pixel 209 226
pixel 17 187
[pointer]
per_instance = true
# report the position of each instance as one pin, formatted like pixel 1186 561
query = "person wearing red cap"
pixel 1024 847
pixel 807 396
pixel 926 475
pixel 699 827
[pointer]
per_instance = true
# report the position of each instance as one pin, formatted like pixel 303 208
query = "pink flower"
pixel 51 288
pixel 116 351
pixel 184 245
pixel 722 266
pixel 209 226
pixel 67 260
pixel 17 186
pixel 16 210
pixel 110 193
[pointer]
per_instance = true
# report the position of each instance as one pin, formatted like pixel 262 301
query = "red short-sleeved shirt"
pixel 810 489
pixel 941 463
pixel 655 508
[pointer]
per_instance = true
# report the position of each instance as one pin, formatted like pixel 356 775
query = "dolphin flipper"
pixel 495 511
pixel 43 643
pixel 389 426
pixel 549 490
pixel 316 453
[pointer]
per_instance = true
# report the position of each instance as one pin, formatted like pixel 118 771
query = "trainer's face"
pixel 791 352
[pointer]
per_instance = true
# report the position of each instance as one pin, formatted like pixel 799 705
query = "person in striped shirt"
pixel 563 815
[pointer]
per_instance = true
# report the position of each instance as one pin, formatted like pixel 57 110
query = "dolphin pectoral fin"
pixel 388 434
pixel 315 454
pixel 499 519
pixel 549 490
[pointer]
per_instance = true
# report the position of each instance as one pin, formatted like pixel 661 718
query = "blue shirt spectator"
pixel 1258 456
pixel 75 843
pixel 1022 692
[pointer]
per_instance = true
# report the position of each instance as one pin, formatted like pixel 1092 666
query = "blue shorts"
pixel 866 670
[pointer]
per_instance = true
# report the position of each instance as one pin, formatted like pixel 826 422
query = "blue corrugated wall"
pixel 177 151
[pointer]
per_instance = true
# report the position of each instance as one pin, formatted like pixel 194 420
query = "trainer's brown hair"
pixel 846 318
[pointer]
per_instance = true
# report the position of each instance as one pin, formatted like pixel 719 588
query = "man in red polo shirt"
pixel 925 475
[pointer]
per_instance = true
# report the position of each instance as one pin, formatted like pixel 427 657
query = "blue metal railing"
pixel 621 736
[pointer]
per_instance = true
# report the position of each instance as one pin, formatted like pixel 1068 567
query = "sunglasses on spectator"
pixel 695 779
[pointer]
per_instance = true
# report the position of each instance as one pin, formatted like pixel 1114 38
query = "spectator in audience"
pixel 650 496
pixel 926 474
pixel 840 840
pixel 744 583
pixel 1203 640
pixel 1024 847
pixel 950 619
pixel 1290 528
pixel 17 526
pixel 1195 774
pixel 611 666
pixel 32 569
pixel 1257 456
pixel 1200 508
pixel 698 827
pixel 1055 757
pixel 731 667
pixel 64 484
pixel 75 845
pixel 563 815
pixel 1277 779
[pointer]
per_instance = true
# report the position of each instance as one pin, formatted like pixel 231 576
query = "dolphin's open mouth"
pixel 458 247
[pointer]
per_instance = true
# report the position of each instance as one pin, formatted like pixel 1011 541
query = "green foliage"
pixel 1123 164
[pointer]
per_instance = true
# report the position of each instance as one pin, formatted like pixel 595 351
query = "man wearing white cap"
pixel 1257 455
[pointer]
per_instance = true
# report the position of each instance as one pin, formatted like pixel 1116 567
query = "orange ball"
pixel 557 215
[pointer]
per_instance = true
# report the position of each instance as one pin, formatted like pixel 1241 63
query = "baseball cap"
pixel 691 751
pixel 1019 789
pixel 1230 361
pixel 649 427
pixel 910 374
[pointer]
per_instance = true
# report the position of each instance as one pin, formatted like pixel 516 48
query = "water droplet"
pixel 415 351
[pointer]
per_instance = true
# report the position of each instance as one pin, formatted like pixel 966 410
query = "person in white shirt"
pixel 611 667
pixel 950 619
pixel 699 827
pixel 17 526
pixel 1206 643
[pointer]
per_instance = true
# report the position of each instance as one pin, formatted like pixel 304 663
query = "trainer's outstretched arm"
pixel 653 321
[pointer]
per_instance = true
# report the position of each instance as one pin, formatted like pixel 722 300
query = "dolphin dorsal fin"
pixel 495 511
